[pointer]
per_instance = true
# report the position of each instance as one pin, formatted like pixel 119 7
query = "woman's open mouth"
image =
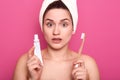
pixel 56 40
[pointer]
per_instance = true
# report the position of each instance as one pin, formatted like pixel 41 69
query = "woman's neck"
pixel 58 54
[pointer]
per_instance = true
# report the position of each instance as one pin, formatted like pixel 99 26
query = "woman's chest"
pixel 57 71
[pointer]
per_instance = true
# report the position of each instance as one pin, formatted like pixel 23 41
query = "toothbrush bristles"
pixel 82 35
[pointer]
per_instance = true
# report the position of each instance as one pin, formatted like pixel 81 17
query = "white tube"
pixel 37 51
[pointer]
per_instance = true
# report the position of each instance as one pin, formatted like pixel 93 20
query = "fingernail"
pixel 76 65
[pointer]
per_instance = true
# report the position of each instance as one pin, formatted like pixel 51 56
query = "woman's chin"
pixel 56 47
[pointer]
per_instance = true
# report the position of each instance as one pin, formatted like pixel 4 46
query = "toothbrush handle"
pixel 82 45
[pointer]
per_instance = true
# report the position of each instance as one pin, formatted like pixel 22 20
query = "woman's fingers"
pixel 34 60
pixel 80 63
pixel 34 65
pixel 31 52
pixel 79 71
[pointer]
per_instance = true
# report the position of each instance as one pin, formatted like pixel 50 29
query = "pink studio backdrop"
pixel 99 19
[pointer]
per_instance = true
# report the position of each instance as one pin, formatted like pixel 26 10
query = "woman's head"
pixel 56 5
pixel 71 6
pixel 57 24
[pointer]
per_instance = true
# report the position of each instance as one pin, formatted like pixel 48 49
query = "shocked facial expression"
pixel 57 28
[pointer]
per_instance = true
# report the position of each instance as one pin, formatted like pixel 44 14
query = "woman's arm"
pixel 21 72
pixel 92 68
pixel 28 67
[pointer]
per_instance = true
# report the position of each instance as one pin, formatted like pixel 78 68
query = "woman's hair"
pixel 56 4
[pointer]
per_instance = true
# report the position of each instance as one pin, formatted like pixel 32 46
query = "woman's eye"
pixel 49 24
pixel 64 24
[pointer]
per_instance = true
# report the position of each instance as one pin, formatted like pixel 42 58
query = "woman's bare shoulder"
pixel 20 72
pixel 87 58
pixel 91 66
pixel 89 61
pixel 23 59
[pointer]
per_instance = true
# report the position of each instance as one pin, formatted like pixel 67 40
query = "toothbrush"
pixel 37 51
pixel 81 47
pixel 82 44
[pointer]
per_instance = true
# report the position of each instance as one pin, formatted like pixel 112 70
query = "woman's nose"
pixel 56 30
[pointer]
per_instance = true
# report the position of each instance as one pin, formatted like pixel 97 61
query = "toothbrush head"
pixel 36 37
pixel 82 35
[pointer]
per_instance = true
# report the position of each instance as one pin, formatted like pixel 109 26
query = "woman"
pixel 59 62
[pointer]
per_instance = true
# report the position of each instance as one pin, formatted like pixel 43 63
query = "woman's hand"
pixel 34 65
pixel 79 71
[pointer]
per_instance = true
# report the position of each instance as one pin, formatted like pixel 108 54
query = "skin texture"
pixel 58 60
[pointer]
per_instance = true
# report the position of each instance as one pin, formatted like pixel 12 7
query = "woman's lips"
pixel 56 40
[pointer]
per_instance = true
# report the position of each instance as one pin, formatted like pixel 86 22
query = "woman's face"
pixel 57 28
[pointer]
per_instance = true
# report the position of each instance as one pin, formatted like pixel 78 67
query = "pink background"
pixel 99 19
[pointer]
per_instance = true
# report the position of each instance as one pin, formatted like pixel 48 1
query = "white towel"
pixel 70 4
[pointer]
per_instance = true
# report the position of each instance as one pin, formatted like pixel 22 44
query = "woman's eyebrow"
pixel 65 19
pixel 48 19
pixel 60 20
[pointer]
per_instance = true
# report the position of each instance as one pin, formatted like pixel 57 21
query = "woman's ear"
pixel 73 32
